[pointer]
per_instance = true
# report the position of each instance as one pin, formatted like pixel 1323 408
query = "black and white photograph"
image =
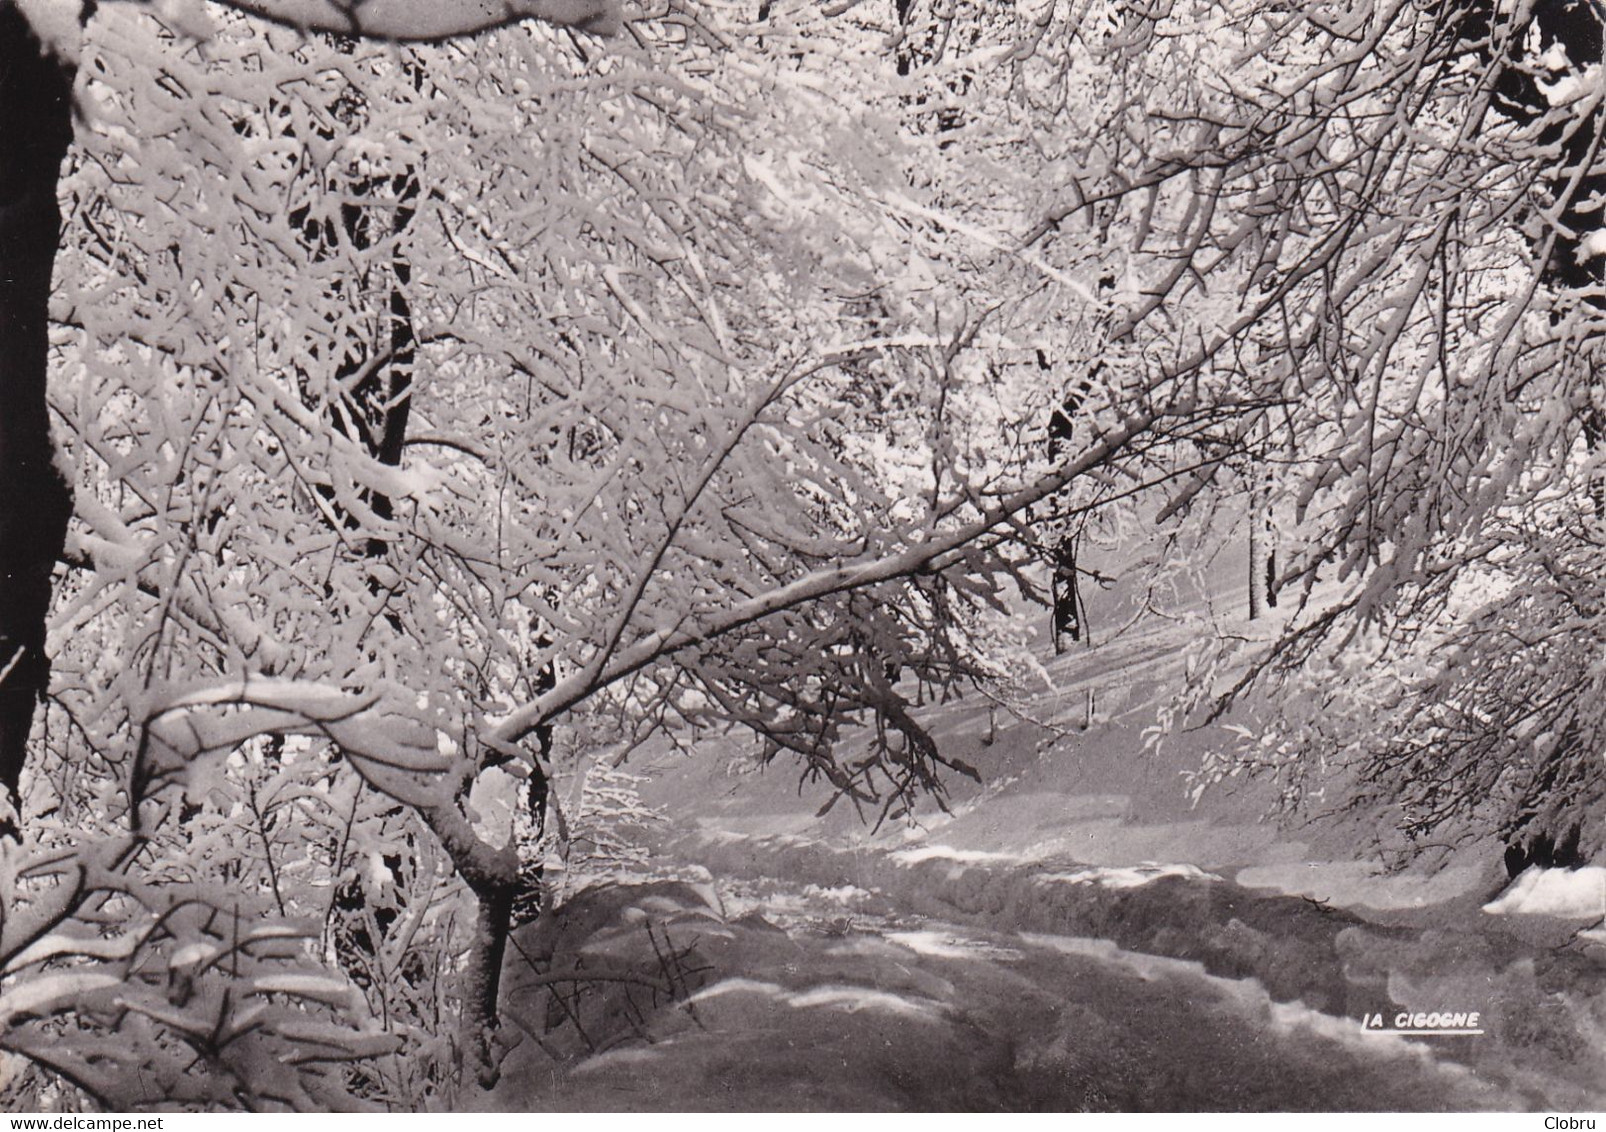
pixel 803 556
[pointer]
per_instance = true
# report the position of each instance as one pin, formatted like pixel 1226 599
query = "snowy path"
pixel 1021 937
pixel 841 998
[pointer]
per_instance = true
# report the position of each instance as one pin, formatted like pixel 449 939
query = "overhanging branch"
pixel 425 20
pixel 812 587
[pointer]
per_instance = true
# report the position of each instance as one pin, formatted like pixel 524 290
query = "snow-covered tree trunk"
pixel 1259 557
pixel 35 504
pixel 1262 534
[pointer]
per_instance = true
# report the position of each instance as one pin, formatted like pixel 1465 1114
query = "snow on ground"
pixel 1199 931
pixel 948 945
pixel 949 1016
pixel 1124 876
pixel 1131 876
pixel 1568 893
pixel 1366 884
pixel 1054 790
pixel 948 853
pixel 847 998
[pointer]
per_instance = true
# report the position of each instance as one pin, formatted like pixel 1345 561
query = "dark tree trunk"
pixel 377 404
pixel 376 379
pixel 1067 594
pixel 482 980
pixel 1262 530
pixel 36 127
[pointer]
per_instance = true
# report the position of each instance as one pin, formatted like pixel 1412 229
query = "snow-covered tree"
pixel 420 398
pixel 1428 260
pixel 631 483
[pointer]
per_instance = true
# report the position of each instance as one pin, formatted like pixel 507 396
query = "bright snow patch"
pixel 1570 86
pixel 1127 876
pixel 947 853
pixel 1573 893
pixel 854 999
pixel 41 995
pixel 737 986
pixel 630 1055
pixel 56 23
pixel 1592 245
pixel 191 955
pixel 188 17
pixel 660 906
pixel 54 946
pixel 946 946
pixel 319 988
pixel 1555 58
pixel 850 999
pixel 842 894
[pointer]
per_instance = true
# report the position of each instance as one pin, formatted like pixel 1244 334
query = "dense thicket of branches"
pixel 1467 706
pixel 418 400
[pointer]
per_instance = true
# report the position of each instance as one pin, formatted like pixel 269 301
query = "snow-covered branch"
pixel 427 20
pixel 812 587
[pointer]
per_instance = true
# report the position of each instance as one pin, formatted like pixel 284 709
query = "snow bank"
pixel 1129 876
pixel 1166 909
pixel 1364 884
pixel 839 997
pixel 854 999
pixel 1571 893
pixel 1048 1020
pixel 948 853
pixel 946 945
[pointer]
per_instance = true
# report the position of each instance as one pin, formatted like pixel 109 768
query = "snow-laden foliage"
pixel 421 399
pixel 1429 276
pixel 417 398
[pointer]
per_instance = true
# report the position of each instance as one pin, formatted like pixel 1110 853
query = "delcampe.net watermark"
pixel 75 1123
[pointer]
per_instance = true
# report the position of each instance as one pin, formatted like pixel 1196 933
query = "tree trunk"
pixel 35 503
pixel 482 980
pixel 1262 552
pixel 1262 528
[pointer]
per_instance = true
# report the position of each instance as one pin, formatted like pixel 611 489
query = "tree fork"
pixel 36 127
